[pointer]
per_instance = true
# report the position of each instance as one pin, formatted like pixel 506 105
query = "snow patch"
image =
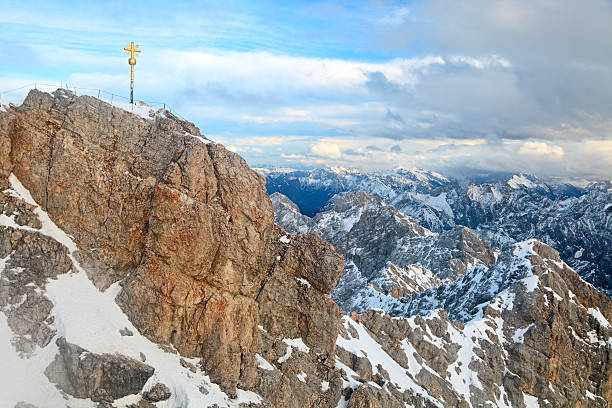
pixel 297 343
pixel 144 111
pixel 3 262
pixel 592 396
pixel 555 294
pixel 519 334
pixel 302 376
pixel 284 239
pixel 263 363
pixel 603 322
pixel 200 138
pixel 286 357
pixel 530 401
pixel 531 283
pixel 291 343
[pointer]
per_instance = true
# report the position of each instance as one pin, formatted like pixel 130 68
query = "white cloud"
pixel 495 86
pixel 538 149
pixel 280 73
pixel 265 140
pixel 292 156
pixel 327 150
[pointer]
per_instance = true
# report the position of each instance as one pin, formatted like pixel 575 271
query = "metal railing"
pixel 112 98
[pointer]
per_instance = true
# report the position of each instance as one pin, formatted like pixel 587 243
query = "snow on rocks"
pixel 530 401
pixel 297 343
pixel 519 335
pixel 303 282
pixel 291 344
pixel 594 311
pixel 263 363
pixel 365 346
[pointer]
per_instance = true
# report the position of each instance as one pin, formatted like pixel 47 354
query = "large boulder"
pixel 101 377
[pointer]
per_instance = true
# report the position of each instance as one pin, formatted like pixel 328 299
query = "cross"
pixel 133 51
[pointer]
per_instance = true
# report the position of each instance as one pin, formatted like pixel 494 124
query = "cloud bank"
pixel 494 86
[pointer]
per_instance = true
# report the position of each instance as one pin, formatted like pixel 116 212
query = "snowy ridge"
pixel 411 279
pixel 575 220
pixel 91 319
pixel 466 298
pixel 363 345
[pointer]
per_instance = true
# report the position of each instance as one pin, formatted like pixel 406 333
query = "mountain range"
pixel 577 221
pixel 144 265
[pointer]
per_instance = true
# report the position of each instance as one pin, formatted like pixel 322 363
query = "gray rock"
pixel 159 392
pixel 126 332
pixel 101 377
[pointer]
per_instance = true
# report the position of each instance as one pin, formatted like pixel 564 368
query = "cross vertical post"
pixel 132 50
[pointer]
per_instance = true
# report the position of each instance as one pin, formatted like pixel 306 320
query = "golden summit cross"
pixel 133 51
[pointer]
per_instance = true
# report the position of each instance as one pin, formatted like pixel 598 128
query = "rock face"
pixel 185 225
pixel 159 392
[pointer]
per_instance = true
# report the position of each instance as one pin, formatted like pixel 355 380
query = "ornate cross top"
pixel 133 51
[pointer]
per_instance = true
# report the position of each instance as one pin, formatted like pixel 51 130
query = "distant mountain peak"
pixel 525 180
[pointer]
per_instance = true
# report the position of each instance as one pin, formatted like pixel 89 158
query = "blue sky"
pixel 457 87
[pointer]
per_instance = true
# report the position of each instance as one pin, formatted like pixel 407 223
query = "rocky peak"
pixel 184 224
